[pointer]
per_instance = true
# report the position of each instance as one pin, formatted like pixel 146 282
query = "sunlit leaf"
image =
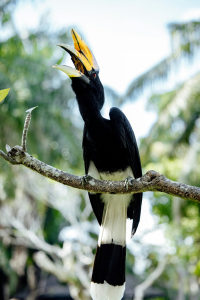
pixel 3 94
pixel 60 59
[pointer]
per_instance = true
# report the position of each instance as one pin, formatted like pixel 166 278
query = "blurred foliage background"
pixel 48 232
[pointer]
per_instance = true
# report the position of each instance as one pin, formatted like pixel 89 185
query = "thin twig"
pixel 141 288
pixel 26 126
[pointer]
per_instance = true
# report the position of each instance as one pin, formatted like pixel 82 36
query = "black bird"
pixel 110 152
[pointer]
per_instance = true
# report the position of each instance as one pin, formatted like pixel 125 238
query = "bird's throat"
pixel 89 111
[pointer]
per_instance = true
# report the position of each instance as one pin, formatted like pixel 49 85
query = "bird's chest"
pixel 105 150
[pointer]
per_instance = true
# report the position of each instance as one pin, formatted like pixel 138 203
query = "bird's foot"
pixel 128 182
pixel 85 179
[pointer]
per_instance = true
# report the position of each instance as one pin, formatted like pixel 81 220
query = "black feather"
pixel 126 138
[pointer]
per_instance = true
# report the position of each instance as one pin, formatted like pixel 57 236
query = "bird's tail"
pixel 108 278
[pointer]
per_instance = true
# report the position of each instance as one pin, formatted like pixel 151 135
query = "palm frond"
pixel 176 120
pixel 185 36
pixel 158 73
pixel 185 44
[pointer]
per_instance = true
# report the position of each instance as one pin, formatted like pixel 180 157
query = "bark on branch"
pixel 151 181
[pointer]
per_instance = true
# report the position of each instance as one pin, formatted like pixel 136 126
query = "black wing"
pixel 126 138
pixel 96 202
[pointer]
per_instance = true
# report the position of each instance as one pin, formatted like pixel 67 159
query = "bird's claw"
pixel 128 182
pixel 85 179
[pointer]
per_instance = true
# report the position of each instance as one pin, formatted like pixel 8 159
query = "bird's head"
pixel 85 75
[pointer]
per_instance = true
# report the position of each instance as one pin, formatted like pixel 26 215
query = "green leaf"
pixel 3 94
pixel 61 59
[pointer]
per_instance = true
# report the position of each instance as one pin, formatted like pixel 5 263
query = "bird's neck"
pixel 89 111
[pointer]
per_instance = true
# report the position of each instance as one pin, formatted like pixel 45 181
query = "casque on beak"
pixel 82 57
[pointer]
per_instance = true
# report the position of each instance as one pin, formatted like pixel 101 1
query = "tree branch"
pixel 151 181
pixel 10 160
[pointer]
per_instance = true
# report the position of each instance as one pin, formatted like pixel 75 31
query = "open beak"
pixel 82 57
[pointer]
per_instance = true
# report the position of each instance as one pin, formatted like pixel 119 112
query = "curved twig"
pixel 141 288
pixel 26 126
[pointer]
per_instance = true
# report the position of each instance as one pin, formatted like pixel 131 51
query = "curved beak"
pixel 82 57
pixel 71 72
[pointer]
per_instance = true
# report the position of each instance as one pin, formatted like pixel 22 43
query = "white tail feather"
pixel 113 229
pixel 106 291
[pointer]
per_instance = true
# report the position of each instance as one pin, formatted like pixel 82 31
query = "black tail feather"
pixel 109 264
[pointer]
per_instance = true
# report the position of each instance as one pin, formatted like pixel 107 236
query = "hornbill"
pixel 110 152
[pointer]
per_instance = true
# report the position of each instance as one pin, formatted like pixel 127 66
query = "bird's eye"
pixel 94 75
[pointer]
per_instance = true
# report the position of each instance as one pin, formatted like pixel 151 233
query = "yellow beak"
pixel 82 57
pixel 71 72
